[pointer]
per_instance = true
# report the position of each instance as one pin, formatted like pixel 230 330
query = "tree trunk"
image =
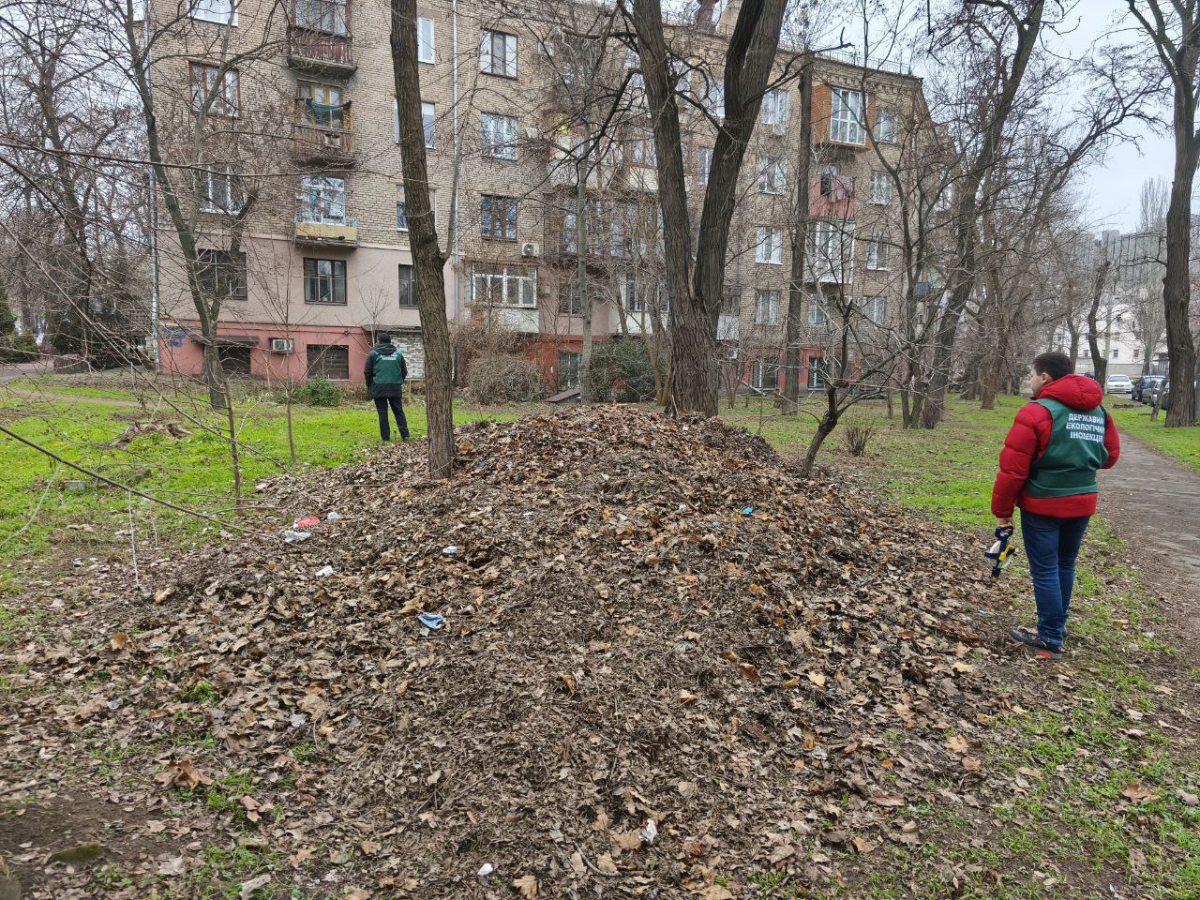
pixel 1181 349
pixel 791 373
pixel 428 260
pixel 583 170
pixel 1099 360
pixel 825 428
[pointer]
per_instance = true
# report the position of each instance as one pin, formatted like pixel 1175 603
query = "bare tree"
pixel 1173 29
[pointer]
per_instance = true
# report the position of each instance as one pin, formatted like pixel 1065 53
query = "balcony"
pixel 319 41
pixel 324 234
pixel 831 197
pixel 322 145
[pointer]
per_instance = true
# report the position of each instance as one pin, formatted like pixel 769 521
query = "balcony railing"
pixel 325 234
pixel 320 143
pixel 831 196
pixel 319 39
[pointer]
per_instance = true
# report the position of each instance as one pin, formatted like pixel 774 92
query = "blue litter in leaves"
pixel 432 621
pixel 748 511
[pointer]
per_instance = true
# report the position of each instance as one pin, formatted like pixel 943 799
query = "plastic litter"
pixel 295 537
pixel 451 550
pixel 306 522
pixel 649 831
pixel 748 511
pixel 325 572
pixel 486 869
pixel 432 621
pixel 334 517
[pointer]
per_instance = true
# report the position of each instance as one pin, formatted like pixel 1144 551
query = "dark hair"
pixel 1054 363
pixel 384 338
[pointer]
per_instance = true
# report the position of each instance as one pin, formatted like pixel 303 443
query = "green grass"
pixel 1182 444
pixel 40 517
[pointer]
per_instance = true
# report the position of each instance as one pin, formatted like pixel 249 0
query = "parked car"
pixel 1118 384
pixel 1143 388
pixel 1163 393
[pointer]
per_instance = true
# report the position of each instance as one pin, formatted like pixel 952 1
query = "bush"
pixel 504 379
pixel 320 391
pixel 857 436
pixel 620 370
pixel 18 348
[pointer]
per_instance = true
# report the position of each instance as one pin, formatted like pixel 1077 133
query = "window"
pixel 568 368
pixel 634 298
pixel 219 190
pixel 945 198
pixel 426 51
pixel 498 53
pixel 885 126
pixel 771 177
pixel 714 98
pixel 1116 354
pixel 881 188
pixel 203 79
pixel 402 208
pixel 499 136
pixel 498 217
pixel 222 275
pixel 873 309
pixel 325 281
pixel 775 109
pixel 766 307
pixel 818 316
pixel 223 12
pixel 831 245
pixel 731 300
pixel 323 200
pixel 323 105
pixel 326 16
pixel 704 158
pixel 234 360
pixel 504 286
pixel 570 301
pixel 770 245
pixel 846 117
pixel 1087 353
pixel 429 122
pixel 641 149
pixel 1137 353
pixel 816 373
pixel 766 374
pixel 877 255
pixel 408 292
pixel 330 361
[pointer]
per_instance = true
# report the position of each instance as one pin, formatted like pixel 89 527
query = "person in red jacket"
pixel 1048 469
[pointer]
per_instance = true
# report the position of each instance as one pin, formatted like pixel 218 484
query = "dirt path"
pixel 1153 502
pixel 63 396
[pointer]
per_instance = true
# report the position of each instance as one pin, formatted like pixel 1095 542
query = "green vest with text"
pixel 1076 451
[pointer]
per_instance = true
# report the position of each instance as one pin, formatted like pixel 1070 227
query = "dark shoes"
pixel 1036 645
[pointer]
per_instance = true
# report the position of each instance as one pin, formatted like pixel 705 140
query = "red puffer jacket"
pixel 1026 442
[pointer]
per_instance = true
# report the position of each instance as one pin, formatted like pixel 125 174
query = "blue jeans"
pixel 385 427
pixel 1052 546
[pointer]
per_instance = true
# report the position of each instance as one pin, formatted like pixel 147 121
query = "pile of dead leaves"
pixel 663 666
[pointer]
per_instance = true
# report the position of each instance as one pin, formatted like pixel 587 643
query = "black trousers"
pixel 385 426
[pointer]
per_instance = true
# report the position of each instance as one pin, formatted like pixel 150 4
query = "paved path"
pixel 1153 502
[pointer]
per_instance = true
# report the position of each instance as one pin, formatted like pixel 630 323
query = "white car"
pixel 1118 384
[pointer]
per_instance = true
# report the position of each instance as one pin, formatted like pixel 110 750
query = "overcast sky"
pixel 1111 188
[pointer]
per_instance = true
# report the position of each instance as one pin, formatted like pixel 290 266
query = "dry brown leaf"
pixel 817 678
pixel 121 641
pixel 627 840
pixel 1135 793
pixel 182 774
pixel 527 886
pixel 888 800
pixel 958 744
pixel 604 862
pixel 687 697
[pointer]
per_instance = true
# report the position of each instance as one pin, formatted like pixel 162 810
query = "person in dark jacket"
pixel 1048 469
pixel 385 372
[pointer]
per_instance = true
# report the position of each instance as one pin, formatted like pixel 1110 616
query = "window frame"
pixel 493 150
pixel 714 98
pixel 880 188
pixel 775 186
pixel 818 314
pixel 208 176
pixel 510 208
pixel 770 238
pixel 877 255
pixel 703 172
pixel 424 44
pixel 429 124
pixel 200 85
pixel 525 284
pixel 340 23
pixel 310 188
pixel 218 267
pixel 487 53
pixel 401 199
pixel 845 122
pixel 771 296
pixel 229 18
pixel 885 135
pixel 319 278
pixel 777 103
pixel 876 305
pixel 412 285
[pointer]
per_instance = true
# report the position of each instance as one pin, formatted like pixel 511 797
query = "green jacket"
pixel 385 372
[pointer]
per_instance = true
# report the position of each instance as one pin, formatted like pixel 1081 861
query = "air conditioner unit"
pixel 282 345
pixel 778 128
pixel 531 249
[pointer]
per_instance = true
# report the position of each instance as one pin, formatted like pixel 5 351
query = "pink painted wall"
pixel 188 357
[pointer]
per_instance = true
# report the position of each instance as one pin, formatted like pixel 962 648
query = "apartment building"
pixel 300 201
